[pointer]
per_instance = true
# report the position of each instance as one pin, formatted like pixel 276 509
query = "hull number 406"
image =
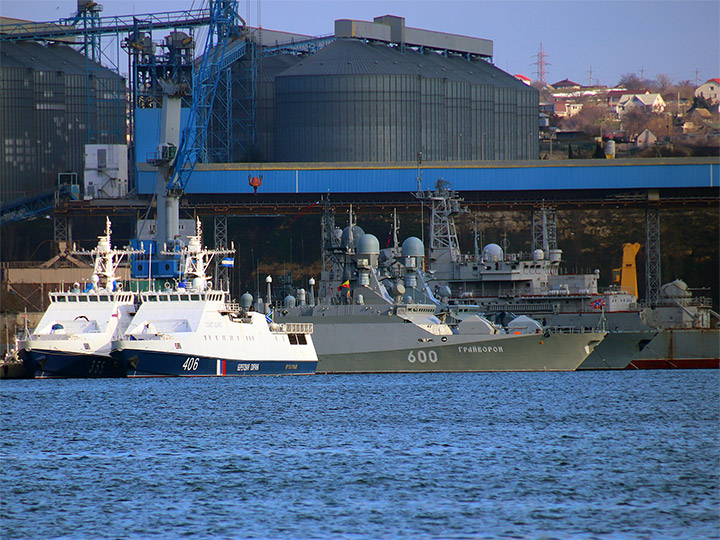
pixel 191 364
pixel 422 356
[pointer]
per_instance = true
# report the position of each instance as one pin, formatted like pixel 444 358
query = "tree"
pixel 664 82
pixel 634 121
pixel 632 82
pixel 589 120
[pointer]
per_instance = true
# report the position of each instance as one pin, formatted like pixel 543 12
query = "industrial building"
pixel 53 101
pixel 359 99
pixel 373 92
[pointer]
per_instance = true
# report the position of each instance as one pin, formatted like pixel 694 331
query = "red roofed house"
pixel 566 83
pixel 709 90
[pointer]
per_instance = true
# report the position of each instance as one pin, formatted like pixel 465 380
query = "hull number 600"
pixel 422 356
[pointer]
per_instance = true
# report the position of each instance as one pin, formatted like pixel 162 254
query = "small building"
pixel 646 139
pixel 709 91
pixel 566 84
pixel 645 102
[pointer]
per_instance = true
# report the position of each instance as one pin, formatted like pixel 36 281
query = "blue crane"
pixel 178 159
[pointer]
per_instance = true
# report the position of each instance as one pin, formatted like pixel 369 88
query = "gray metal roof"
pixel 55 58
pixel 355 57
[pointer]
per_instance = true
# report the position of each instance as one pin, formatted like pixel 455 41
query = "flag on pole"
pixel 345 285
pixel 228 261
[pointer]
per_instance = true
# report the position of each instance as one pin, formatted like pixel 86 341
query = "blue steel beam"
pixel 64 28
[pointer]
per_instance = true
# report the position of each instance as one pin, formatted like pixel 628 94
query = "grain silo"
pixel 53 101
pixel 382 92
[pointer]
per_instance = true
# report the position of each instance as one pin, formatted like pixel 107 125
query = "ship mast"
pixel 444 204
pixel 106 259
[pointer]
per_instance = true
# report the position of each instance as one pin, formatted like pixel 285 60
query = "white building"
pixel 709 90
pixel 645 102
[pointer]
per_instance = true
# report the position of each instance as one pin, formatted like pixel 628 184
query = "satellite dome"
pixel 246 301
pixel 492 252
pixel 368 245
pixel 413 247
pixel 538 255
pixel 357 232
pixel 290 301
pixel 445 292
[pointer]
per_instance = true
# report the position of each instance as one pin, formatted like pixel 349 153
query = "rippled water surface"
pixel 507 455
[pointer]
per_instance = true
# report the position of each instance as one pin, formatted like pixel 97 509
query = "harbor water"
pixel 593 455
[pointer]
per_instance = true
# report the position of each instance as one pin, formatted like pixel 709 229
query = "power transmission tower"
pixel 541 65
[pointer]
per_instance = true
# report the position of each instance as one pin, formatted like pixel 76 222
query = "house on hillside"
pixel 645 102
pixel 561 109
pixel 566 84
pixel 709 91
pixel 646 139
pixel 699 120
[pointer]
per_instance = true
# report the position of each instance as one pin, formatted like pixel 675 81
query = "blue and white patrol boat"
pixel 194 330
pixel 73 337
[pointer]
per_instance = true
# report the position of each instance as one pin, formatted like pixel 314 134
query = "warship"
pixel 73 337
pixel 193 330
pixel 676 332
pixel 374 314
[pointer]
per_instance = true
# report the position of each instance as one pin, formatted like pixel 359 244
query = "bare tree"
pixel 664 82
pixel 634 121
pixel 632 82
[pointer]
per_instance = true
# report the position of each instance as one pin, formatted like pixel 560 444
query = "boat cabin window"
pixel 174 297
pixel 93 298
pixel 184 297
pixel 164 298
pixel 72 298
pixel 60 298
pixel 82 298
pixel 104 298
pixel 194 297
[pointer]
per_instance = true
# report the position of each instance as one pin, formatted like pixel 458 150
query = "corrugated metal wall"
pixel 331 178
pixel 377 104
pixel 353 101
pixel 44 109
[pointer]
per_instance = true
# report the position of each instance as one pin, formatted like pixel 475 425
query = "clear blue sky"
pixel 612 38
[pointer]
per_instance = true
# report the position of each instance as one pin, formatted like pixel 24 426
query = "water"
pixel 507 455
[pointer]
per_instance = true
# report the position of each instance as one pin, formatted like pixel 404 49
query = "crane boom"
pixel 223 26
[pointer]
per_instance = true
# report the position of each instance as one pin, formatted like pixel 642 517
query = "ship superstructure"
pixel 193 330
pixel 375 313
pixel 74 334
pixel 533 284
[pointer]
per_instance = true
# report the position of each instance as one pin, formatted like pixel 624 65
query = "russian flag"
pixel 228 262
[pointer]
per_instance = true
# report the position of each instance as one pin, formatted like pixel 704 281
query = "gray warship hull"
pixel 617 350
pixel 378 343
pixel 689 348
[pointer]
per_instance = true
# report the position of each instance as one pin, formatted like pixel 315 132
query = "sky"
pixel 580 38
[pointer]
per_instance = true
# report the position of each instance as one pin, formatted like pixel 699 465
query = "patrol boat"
pixel 375 314
pixel 74 334
pixel 193 330
pixel 676 332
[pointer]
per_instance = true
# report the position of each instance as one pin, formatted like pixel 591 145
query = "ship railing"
pixel 523 308
pixel 695 301
pixel 569 330
pixel 292 328
pixel 232 307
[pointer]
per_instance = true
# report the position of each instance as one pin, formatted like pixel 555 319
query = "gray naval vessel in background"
pixel 375 313
pixel 677 331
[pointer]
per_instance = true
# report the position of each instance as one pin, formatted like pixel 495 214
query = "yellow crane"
pixel 626 276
